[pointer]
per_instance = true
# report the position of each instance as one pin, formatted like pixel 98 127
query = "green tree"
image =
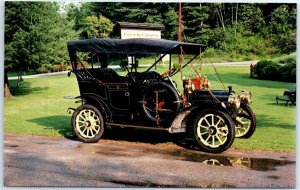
pixel 78 12
pixel 139 12
pixel 250 16
pixel 107 9
pixel 195 16
pixel 130 12
pixel 170 21
pixel 35 35
pixel 282 28
pixel 39 37
pixel 97 27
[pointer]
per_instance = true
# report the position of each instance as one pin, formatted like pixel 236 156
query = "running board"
pixel 170 130
pixel 138 126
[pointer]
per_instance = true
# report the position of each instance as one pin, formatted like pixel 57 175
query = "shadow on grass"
pixel 62 124
pixel 283 104
pixel 24 88
pixel 59 123
pixel 266 121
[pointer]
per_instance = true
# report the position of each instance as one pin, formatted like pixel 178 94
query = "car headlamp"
pixel 234 101
pixel 246 97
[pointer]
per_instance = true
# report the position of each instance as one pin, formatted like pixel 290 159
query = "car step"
pixel 179 123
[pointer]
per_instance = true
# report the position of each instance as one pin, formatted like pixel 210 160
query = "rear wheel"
pixel 213 131
pixel 87 123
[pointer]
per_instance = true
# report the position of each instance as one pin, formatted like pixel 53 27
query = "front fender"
pixel 184 119
pixel 218 106
pixel 193 111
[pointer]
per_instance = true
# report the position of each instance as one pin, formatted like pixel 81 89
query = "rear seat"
pixel 107 75
pixel 104 73
pixel 139 78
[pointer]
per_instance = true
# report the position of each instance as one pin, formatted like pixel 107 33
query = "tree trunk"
pixel 236 18
pixel 7 93
pixel 221 18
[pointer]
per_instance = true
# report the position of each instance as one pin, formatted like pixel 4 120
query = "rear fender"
pixel 97 101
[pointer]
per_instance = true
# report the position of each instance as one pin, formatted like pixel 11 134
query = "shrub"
pixel 63 67
pixel 288 60
pixel 288 72
pixel 267 69
pixel 45 68
pixel 209 52
pixel 271 71
pixel 83 64
pixel 293 75
pixel 248 58
pixel 260 66
pixel 42 69
pixel 58 68
pixel 48 68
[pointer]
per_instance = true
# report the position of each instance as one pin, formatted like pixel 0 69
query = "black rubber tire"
pixel 213 131
pixel 252 117
pixel 173 94
pixel 97 118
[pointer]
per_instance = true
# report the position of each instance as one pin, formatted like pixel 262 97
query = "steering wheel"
pixel 132 76
pixel 168 72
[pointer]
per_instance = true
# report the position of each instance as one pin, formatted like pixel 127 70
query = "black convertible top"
pixel 133 46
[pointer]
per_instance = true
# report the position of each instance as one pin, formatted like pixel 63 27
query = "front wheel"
pixel 87 123
pixel 245 122
pixel 213 131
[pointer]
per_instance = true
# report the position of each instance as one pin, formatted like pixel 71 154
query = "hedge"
pixel 270 70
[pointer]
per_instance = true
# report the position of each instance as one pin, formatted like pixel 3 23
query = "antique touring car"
pixel 147 99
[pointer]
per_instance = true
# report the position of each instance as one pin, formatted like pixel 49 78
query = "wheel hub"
pixel 212 130
pixel 87 124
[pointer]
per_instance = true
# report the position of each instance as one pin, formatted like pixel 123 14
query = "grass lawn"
pixel 38 108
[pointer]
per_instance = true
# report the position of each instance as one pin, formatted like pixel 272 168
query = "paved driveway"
pixel 45 161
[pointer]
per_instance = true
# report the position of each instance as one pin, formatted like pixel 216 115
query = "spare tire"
pixel 160 103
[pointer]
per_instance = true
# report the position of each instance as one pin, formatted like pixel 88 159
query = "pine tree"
pixel 195 16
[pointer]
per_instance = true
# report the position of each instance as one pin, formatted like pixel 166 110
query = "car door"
pixel 119 95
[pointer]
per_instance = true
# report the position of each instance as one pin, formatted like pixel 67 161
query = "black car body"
pixel 151 100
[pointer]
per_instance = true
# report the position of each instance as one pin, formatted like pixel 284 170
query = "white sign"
pixel 138 33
